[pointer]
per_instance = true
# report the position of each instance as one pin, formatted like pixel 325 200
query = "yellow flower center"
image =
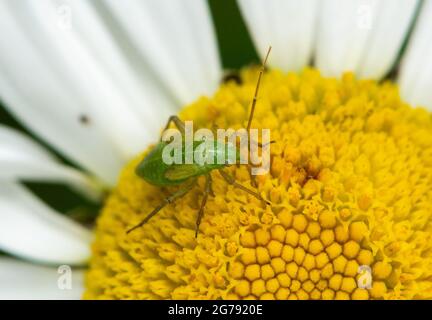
pixel 350 187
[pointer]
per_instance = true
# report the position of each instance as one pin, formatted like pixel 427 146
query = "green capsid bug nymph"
pixel 158 173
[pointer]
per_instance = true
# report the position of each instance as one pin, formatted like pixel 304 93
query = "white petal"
pixel 177 38
pixel 287 25
pixel 130 103
pixel 60 61
pixel 21 158
pixel 24 281
pixel 30 229
pixel 416 67
pixel 363 36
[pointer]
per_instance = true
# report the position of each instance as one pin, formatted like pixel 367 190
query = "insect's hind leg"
pixel 232 181
pixel 168 200
pixel 207 191
pixel 177 122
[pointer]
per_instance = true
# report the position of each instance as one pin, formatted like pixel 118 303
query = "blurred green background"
pixel 236 50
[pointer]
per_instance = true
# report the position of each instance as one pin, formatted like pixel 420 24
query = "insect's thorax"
pixel 161 167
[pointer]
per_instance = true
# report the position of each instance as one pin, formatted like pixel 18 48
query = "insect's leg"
pixel 260 145
pixel 211 191
pixel 232 181
pixel 255 97
pixel 168 200
pixel 177 122
pixel 203 202
pixel 214 128
pixel 252 177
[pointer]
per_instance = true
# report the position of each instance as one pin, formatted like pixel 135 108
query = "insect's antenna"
pixel 257 89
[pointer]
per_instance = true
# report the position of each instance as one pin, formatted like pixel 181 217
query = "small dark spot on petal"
pixel 84 119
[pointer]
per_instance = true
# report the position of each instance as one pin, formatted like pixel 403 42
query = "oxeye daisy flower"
pixel 346 97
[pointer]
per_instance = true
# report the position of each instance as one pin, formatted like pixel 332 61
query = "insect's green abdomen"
pixel 156 172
